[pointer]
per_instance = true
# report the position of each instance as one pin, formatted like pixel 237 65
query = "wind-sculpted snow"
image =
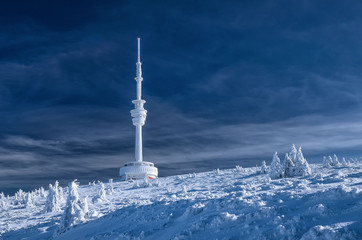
pixel 223 204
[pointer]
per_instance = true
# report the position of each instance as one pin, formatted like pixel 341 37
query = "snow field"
pixel 241 203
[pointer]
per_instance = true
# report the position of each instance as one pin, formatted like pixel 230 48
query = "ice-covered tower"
pixel 139 113
pixel 138 169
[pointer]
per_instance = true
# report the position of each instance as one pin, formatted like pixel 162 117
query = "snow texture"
pixel 223 204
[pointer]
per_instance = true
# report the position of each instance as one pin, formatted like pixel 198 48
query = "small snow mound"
pixel 318 209
pixel 194 209
pixel 327 233
pixel 227 216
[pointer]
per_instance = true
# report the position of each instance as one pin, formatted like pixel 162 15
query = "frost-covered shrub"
pixel 145 183
pixel 239 168
pixel 75 210
pixel 263 168
pixel 180 177
pixel 276 168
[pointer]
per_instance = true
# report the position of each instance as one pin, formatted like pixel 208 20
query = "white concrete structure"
pixel 138 169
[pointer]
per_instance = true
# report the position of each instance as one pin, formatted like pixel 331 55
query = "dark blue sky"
pixel 226 83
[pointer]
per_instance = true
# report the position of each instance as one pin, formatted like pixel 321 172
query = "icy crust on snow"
pixel 237 203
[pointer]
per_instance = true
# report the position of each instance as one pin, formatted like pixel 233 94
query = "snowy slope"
pixel 225 204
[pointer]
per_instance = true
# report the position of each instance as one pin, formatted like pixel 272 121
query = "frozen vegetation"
pixel 289 199
pixel 294 165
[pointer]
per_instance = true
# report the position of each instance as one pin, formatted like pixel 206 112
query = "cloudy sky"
pixel 226 83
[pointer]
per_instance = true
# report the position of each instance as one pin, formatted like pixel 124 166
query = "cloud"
pixel 196 147
pixel 225 84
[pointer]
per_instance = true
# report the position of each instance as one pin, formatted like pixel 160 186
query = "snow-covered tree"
pixel 336 163
pixel 74 212
pixel 290 161
pixel 263 168
pixel 239 168
pixel 42 192
pixel 29 199
pixel 301 165
pixel 110 189
pixel 85 206
pixel 2 200
pixel 101 196
pixel 289 166
pixel 333 162
pixel 330 159
pixel 102 193
pixel 293 153
pixel 19 197
pixel 276 168
pixel 54 198
pixel 344 162
pixel 184 189
pixel 326 162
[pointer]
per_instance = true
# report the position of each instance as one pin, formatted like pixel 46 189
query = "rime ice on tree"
pixel 276 168
pixel 138 169
pixel 75 211
pixel 295 164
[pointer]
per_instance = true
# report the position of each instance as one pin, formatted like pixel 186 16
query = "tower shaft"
pixel 138 113
pixel 138 145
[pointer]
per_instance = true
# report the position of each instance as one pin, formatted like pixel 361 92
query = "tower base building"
pixel 138 170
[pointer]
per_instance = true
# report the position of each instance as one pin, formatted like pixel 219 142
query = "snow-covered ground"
pixel 236 203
